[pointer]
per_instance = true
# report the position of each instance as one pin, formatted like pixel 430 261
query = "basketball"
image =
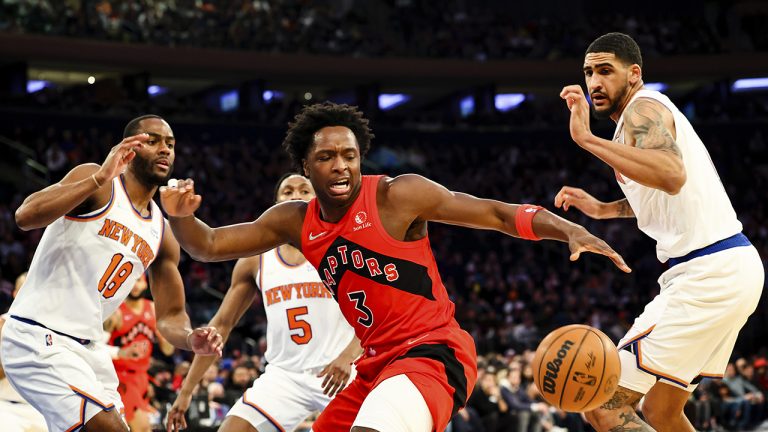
pixel 576 368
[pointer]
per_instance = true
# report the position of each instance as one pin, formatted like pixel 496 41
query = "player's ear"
pixel 635 74
pixel 305 168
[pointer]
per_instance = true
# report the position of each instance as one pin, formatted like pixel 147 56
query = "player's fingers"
pixel 576 254
pixel 560 197
pixel 189 184
pixel 129 157
pixel 619 261
pixel 568 89
pixel 138 137
pixel 336 387
pixel 323 372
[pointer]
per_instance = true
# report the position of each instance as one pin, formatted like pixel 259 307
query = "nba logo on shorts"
pixel 48 340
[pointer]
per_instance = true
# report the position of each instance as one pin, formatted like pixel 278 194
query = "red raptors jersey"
pixel 137 328
pixel 389 290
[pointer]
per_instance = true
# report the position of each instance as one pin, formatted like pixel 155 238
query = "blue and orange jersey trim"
pixel 264 413
pixel 637 338
pixel 98 214
pixel 282 260
pixel 261 271
pixel 159 243
pixel 136 212
pixel 85 399
pixel 80 423
pixel 661 375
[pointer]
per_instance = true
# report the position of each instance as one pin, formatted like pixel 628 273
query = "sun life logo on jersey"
pixel 361 220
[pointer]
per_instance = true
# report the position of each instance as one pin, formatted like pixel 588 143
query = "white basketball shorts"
pixel 688 331
pixel 279 400
pixel 67 382
pixel 395 405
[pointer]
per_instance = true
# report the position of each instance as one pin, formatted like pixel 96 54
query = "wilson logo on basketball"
pixel 553 367
pixel 585 379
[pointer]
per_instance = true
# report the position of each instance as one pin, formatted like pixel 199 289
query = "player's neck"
pixel 139 193
pixel 290 254
pixel 134 304
pixel 627 98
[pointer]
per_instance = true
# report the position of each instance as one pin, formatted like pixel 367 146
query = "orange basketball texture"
pixel 576 368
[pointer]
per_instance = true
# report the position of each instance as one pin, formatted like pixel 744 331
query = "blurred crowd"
pixel 478 30
pixel 508 293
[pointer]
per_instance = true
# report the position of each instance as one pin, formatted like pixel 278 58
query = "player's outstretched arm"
pixel 168 291
pixel 337 372
pixel 654 161
pixel 576 197
pixel 429 201
pixel 204 243
pixel 238 299
pixel 85 188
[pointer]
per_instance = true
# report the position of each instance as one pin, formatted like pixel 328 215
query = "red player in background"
pixel 133 333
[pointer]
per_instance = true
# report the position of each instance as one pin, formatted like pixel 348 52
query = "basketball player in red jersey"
pixel 367 236
pixel 133 329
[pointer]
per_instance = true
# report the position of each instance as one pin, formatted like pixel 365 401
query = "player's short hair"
pixel 132 128
pixel 623 46
pixel 312 118
pixel 280 181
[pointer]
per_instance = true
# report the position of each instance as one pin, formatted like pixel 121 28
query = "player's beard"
pixel 136 297
pixel 144 170
pixel 615 102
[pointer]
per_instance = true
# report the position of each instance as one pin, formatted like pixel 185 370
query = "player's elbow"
pixel 200 256
pixel 25 218
pixel 674 183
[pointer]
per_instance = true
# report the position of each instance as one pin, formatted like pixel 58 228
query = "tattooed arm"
pixel 618 209
pixel 652 157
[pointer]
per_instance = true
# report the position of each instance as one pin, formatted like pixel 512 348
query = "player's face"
pixel 138 288
pixel 608 81
pixel 295 187
pixel 153 164
pixel 333 165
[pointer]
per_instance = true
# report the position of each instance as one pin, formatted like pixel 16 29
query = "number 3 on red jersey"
pixel 112 280
pixel 359 298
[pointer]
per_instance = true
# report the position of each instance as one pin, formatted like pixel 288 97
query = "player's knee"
pixel 657 411
pixel 602 419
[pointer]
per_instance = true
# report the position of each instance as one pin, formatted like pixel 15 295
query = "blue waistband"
pixel 35 323
pixel 736 240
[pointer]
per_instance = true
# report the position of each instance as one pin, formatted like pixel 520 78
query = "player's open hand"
pixel 205 341
pixel 582 241
pixel 177 415
pixel 119 157
pixel 179 198
pixel 336 375
pixel 575 197
pixel 579 107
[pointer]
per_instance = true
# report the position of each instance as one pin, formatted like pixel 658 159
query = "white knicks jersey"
pixel 85 266
pixel 305 328
pixel 701 214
